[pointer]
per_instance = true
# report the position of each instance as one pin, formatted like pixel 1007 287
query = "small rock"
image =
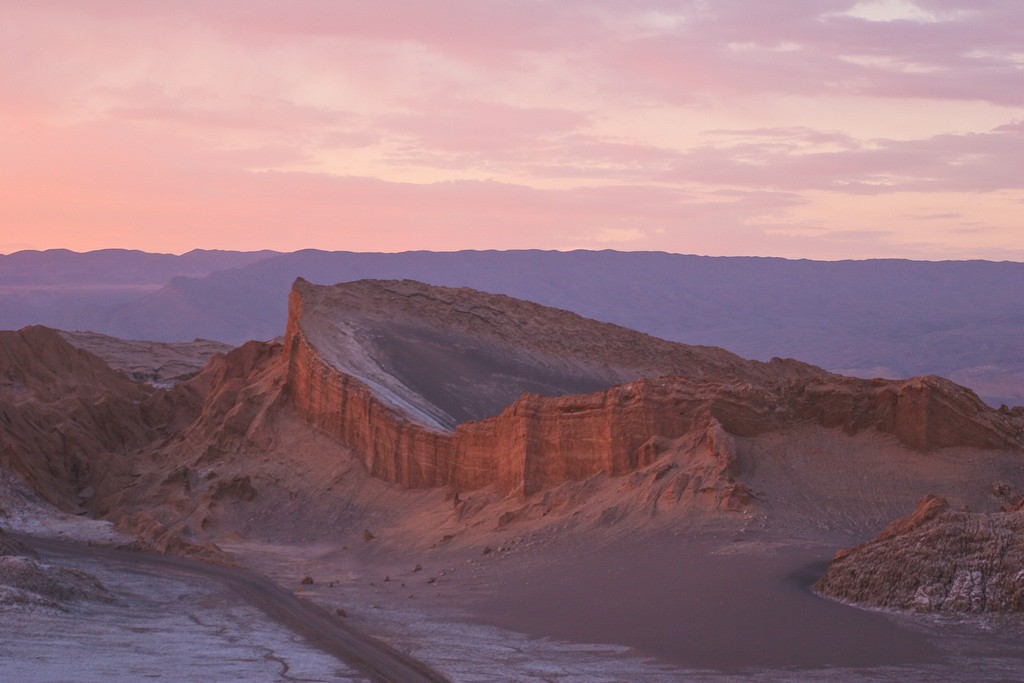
pixel 368 536
pixel 341 613
pixel 307 581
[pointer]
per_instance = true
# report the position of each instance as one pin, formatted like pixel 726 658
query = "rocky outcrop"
pixel 923 413
pixel 153 536
pixel 27 581
pixel 340 378
pixel 936 560
pixel 390 375
pixel 67 420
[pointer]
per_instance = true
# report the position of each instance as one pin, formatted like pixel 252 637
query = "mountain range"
pixel 873 318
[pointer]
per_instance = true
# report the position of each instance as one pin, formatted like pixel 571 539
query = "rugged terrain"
pixel 938 560
pixel 158 363
pixel 389 367
pixel 461 391
pixel 458 449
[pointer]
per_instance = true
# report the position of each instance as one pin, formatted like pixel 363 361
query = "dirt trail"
pixel 324 631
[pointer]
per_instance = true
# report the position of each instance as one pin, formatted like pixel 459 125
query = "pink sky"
pixel 821 129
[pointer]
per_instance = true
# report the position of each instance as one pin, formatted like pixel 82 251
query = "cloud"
pixel 934 216
pixel 616 235
pixel 482 128
pixel 789 160
pixel 687 125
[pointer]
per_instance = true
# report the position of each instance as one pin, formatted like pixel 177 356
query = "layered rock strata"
pixel 341 377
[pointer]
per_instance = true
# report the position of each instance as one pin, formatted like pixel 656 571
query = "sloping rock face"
pixel 445 356
pixel 220 436
pixel 66 419
pixel 936 560
pixel 345 378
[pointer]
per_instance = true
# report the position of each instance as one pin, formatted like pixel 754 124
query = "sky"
pixel 823 129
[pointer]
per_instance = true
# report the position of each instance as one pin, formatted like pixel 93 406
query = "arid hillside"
pixel 515 410
pixel 445 420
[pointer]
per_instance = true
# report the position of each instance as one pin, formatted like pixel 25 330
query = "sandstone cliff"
pixel 936 560
pixel 388 372
pixel 359 355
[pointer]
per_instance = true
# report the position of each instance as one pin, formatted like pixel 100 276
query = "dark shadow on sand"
pixel 680 603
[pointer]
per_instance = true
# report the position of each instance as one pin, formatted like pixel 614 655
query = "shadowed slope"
pixel 445 356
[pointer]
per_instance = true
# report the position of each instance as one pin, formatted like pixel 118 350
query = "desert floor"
pixel 659 608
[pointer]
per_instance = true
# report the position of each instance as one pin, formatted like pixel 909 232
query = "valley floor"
pixel 653 610
pixel 660 609
pixel 162 626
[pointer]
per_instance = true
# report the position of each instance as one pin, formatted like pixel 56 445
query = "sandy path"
pixel 322 630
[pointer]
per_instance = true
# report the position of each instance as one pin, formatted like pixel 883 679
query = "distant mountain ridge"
pixel 116 266
pixel 889 318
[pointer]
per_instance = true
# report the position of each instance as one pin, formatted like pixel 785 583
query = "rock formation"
pixel 359 355
pixel 27 581
pixel 428 387
pixel 65 416
pixel 936 560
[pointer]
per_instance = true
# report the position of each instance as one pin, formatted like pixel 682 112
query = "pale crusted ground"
pixel 158 363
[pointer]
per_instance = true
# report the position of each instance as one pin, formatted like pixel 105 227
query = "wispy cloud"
pixel 726 126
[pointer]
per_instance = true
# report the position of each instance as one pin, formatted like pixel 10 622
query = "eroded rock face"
pixel 672 424
pixel 66 419
pixel 152 535
pixel 338 377
pixel 443 356
pixel 936 560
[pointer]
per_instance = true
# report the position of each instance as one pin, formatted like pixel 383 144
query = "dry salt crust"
pixel 157 628
pixel 175 629
pixel 22 510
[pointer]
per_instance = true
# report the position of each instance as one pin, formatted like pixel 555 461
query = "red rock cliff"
pixel 542 441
